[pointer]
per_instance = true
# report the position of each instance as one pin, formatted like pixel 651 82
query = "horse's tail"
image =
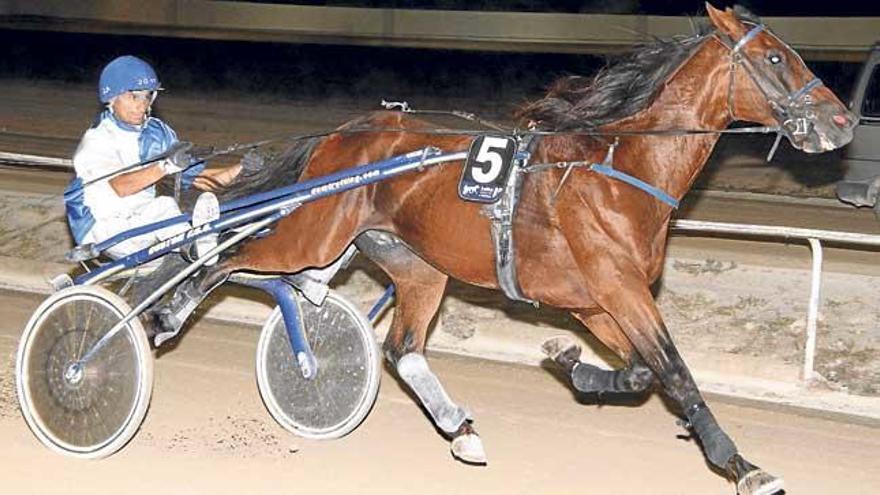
pixel 277 170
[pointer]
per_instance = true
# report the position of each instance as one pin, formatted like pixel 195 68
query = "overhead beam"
pixel 816 38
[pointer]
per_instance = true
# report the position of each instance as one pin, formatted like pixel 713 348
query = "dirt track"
pixel 208 432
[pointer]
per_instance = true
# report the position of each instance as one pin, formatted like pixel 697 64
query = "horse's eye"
pixel 774 58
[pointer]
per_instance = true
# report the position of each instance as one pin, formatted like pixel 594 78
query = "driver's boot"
pixel 206 210
pixel 168 319
pixel 170 265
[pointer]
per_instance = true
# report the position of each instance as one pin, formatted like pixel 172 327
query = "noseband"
pixel 780 99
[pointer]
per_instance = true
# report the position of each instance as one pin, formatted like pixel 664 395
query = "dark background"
pixel 656 7
pixel 295 71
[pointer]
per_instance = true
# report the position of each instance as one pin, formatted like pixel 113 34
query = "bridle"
pixel 793 109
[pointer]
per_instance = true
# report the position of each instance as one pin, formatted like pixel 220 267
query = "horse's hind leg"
pixel 419 290
pixel 635 377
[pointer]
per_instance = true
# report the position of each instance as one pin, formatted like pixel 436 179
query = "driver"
pixel 124 134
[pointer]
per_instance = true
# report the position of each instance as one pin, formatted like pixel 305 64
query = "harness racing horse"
pixel 585 242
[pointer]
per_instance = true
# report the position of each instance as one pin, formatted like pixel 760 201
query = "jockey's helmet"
pixel 126 73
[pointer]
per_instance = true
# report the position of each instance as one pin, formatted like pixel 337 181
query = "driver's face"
pixel 131 107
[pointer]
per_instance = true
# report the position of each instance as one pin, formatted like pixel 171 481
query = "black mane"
pixel 617 91
pixel 621 89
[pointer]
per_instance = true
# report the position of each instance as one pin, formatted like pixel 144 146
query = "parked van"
pixel 861 184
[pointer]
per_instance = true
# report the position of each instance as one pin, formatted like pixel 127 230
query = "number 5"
pixel 493 158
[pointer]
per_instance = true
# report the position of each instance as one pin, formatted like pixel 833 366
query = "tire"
pixel 344 390
pixel 99 410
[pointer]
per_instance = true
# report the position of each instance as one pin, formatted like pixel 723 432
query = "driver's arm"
pixel 213 179
pixel 137 180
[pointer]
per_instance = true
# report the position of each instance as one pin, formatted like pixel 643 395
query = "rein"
pixel 404 107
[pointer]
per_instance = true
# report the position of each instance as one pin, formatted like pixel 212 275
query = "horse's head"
pixel 770 84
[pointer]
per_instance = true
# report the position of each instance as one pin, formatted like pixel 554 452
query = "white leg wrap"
pixel 448 416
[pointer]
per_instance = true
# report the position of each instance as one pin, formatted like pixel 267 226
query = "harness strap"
pixel 629 179
pixel 810 86
pixel 748 37
pixel 502 214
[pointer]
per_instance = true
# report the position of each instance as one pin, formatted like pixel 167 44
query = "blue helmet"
pixel 126 73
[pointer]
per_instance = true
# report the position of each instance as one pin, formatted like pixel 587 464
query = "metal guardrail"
pixel 814 237
pixel 817 38
pixel 34 160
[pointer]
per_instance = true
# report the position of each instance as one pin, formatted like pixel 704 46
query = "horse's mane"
pixel 278 170
pixel 619 90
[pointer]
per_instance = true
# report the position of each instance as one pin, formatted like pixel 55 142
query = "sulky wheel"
pixel 87 411
pixel 338 399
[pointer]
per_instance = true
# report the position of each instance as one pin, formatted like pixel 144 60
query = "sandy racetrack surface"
pixel 207 431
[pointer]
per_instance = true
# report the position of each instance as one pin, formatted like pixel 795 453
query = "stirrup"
pixel 168 321
pixel 206 210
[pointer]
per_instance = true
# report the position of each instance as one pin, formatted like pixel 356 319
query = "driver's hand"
pixel 178 161
pixel 169 167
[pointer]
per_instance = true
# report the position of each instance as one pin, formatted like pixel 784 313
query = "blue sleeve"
pixel 79 216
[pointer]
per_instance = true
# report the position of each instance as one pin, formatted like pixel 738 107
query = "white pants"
pixel 160 208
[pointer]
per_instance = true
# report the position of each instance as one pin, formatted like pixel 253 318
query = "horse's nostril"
pixel 840 120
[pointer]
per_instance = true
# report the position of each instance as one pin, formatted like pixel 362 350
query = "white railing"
pixel 769 232
pixel 736 230
pixel 34 160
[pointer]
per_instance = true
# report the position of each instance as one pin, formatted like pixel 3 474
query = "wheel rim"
pixel 338 398
pixel 80 409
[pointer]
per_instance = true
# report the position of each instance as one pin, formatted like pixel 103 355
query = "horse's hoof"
pixel 759 482
pixel 562 350
pixel 469 448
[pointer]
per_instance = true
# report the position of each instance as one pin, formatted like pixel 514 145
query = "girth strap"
pixel 502 214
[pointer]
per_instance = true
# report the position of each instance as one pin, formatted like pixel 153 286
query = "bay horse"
pixel 592 245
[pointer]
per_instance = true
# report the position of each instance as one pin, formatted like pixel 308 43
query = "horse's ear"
pixel 726 21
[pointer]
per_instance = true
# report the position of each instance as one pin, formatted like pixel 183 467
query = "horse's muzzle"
pixel 822 128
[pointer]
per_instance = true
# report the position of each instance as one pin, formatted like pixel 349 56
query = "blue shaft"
pixel 374 312
pixel 284 296
pixel 299 193
pixel 281 193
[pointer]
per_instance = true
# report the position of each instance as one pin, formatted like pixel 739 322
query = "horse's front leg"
pixel 630 303
pixel 419 290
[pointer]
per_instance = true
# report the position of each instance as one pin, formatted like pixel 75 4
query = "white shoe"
pixel 206 210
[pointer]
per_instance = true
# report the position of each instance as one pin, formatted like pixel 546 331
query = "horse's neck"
pixel 694 97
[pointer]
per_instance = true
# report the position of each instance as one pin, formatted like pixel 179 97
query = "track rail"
pixel 24 160
pixel 772 233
